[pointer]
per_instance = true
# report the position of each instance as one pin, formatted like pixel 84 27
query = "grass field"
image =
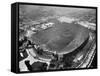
pixel 60 35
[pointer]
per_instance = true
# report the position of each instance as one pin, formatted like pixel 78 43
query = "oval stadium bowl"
pixel 62 37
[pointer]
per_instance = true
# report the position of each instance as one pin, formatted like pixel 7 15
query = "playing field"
pixel 61 35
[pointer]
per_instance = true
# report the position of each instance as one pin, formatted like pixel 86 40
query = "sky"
pixel 35 11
